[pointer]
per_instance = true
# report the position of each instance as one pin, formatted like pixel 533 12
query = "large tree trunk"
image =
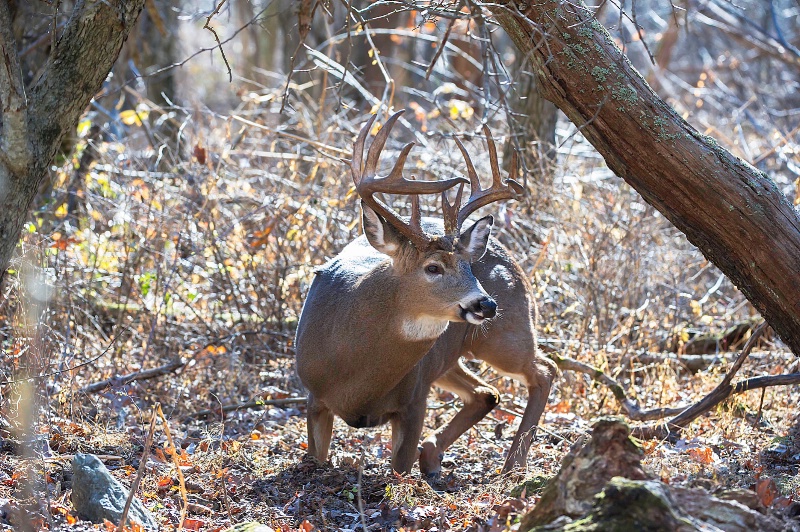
pixel 36 119
pixel 732 212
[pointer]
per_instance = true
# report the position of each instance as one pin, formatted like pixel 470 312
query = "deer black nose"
pixel 488 308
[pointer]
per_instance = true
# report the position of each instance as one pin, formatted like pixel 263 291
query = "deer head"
pixel 432 264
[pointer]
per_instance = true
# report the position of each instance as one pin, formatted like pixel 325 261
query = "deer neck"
pixel 397 328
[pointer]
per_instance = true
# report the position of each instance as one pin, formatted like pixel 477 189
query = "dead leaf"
pixel 199 153
pixel 767 491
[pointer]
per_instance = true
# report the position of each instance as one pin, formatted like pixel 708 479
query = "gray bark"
pixel 36 118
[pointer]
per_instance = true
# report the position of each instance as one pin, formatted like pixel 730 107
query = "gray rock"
pixel 97 495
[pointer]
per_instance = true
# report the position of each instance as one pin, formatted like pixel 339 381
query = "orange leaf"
pixel 193 524
pixel 306 526
pixel 649 446
pixel 767 491
pixel 704 455
pixel 231 446
pixel 563 407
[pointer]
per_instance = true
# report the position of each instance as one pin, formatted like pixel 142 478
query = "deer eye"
pixel 434 269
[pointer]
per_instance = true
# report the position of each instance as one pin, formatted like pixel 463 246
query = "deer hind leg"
pixel 479 399
pixel 320 429
pixel 512 352
pixel 538 377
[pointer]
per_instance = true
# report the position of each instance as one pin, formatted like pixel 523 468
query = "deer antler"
pixel 455 214
pixel 368 182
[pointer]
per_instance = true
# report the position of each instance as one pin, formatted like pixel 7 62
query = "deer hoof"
pixel 430 459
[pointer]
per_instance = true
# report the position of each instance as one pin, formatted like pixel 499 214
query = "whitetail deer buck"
pixel 390 316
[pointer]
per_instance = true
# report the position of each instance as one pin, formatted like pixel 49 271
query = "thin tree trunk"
pixel 535 122
pixel 733 213
pixel 36 119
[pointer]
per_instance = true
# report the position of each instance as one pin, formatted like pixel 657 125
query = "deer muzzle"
pixel 479 310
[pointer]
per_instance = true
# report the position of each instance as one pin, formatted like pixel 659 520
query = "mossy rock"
pixel 629 505
pixel 532 486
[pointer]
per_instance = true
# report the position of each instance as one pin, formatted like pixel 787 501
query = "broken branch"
pixel 136 376
pixel 632 409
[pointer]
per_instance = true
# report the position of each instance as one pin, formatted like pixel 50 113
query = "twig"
pixel 692 363
pixel 173 451
pixel 388 91
pixel 256 403
pixel 785 139
pixel 219 44
pixel 76 184
pixel 717 395
pixel 358 492
pixel 305 14
pixel 142 464
pixel 440 49
pixel 135 376
pixel 298 138
pixel 64 370
pixel 640 32
pixel 761 406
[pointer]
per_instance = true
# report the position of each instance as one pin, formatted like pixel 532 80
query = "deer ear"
pixel 380 234
pixel 474 239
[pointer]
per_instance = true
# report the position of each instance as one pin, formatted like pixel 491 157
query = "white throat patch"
pixel 423 328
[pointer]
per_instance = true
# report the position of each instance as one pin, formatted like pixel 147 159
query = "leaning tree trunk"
pixel 35 119
pixel 732 212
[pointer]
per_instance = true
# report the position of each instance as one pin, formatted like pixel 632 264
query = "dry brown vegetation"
pixel 202 253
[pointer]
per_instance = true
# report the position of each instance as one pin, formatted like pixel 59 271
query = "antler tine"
pixel 450 211
pixel 379 142
pixel 357 162
pixel 480 197
pixel 416 216
pixel 474 182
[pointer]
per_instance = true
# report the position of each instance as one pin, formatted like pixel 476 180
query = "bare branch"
pixel 214 32
pixel 723 390
pixel 440 49
pixel 256 403
pixel 136 376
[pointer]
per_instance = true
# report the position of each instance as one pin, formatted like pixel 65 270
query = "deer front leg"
pixel 539 380
pixel 320 429
pixel 406 432
pixel 479 399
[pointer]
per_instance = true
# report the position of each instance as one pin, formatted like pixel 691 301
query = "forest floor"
pixel 203 260
pixel 253 466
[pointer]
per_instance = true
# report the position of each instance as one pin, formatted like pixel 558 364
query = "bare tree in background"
pixel 42 103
